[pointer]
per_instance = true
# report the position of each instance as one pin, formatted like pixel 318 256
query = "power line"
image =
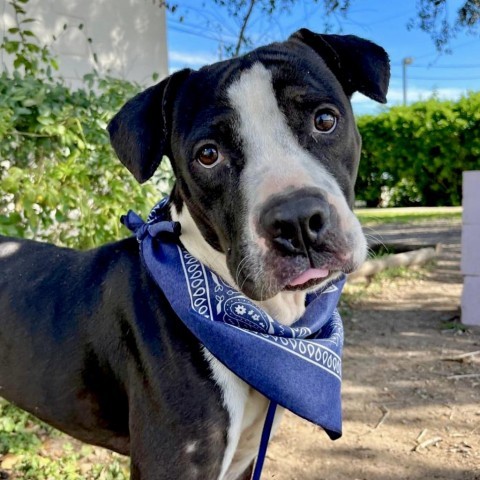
pixel 452 48
pixel 419 65
pixel 202 30
pixel 183 30
pixel 220 38
pixel 439 79
pixel 394 16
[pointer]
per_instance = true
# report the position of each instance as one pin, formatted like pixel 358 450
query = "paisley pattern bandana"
pixel 299 367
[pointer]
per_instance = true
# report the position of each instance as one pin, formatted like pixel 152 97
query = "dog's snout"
pixel 295 223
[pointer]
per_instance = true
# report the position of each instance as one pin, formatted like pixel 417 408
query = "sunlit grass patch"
pixel 375 216
pixel 31 450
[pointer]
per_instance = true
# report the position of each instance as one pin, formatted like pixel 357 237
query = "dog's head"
pixel 265 152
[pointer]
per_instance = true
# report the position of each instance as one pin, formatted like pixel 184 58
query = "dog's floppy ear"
pixel 360 65
pixel 140 131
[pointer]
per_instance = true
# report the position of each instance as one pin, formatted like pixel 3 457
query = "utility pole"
pixel 406 61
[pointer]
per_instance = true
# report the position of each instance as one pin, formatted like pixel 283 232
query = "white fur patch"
pixel 235 394
pixel 191 447
pixel 9 248
pixel 274 158
pixel 247 410
pixel 194 242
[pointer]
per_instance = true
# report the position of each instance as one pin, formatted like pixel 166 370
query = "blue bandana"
pixel 298 367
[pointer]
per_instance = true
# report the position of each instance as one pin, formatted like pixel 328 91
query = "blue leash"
pixel 267 430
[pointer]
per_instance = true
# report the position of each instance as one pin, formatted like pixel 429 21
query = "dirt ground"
pixel 411 405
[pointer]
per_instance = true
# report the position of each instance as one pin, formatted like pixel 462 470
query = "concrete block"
pixel 471 300
pixel 471 250
pixel 471 197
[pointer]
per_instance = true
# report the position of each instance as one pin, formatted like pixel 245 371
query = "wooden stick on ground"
pixel 427 443
pixel 466 375
pixel 422 434
pixel 405 259
pixel 462 357
pixel 386 413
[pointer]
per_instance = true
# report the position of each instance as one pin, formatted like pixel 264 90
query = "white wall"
pixel 128 36
pixel 471 248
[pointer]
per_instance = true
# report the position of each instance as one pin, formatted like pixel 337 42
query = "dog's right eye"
pixel 208 156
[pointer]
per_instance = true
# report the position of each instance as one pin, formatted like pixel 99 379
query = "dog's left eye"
pixel 325 120
pixel 208 156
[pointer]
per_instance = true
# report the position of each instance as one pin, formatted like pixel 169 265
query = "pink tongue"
pixel 308 275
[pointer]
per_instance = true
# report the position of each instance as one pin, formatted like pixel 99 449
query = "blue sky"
pixel 196 41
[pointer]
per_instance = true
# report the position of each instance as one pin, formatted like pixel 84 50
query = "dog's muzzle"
pixel 303 239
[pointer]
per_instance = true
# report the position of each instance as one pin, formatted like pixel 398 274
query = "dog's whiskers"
pixel 377 240
pixel 241 265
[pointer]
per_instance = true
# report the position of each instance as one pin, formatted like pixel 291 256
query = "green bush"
pixel 415 155
pixel 59 178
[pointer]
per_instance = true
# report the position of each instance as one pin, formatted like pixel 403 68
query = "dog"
pixel 265 151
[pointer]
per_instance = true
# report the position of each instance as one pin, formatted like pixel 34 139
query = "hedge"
pixel 415 155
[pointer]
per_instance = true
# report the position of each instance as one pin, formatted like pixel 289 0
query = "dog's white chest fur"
pixel 247 409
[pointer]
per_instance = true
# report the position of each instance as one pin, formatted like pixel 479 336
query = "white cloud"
pixel 191 59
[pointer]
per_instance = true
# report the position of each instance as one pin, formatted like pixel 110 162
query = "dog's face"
pixel 265 152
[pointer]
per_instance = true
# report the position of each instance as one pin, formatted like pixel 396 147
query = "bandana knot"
pixel 157 223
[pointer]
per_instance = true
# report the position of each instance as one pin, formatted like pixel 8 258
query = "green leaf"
pixel 11 46
pixel 18 10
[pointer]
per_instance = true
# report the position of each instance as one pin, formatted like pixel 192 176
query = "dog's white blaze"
pixel 274 158
pixel 275 161
pixel 9 248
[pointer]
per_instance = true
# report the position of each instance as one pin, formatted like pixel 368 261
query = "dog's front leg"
pixel 166 443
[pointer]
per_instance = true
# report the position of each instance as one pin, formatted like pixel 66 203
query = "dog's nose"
pixel 296 222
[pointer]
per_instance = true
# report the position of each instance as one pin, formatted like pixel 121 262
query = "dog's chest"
pixel 247 409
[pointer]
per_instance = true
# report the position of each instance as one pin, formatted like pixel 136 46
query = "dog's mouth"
pixel 310 278
pixel 288 273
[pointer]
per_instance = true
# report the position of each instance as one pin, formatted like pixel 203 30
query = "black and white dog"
pixel 265 152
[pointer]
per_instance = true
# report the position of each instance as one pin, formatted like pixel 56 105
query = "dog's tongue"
pixel 309 275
